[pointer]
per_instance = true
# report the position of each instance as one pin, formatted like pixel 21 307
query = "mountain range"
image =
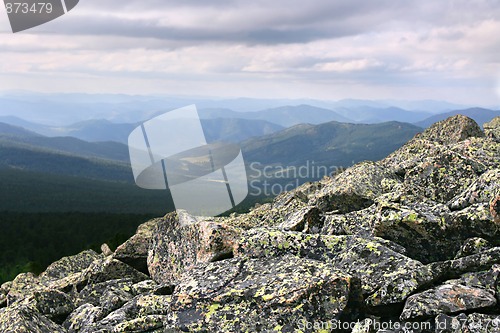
pixel 104 167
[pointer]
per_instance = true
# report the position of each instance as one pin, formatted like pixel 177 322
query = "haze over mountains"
pixel 53 138
pixel 112 117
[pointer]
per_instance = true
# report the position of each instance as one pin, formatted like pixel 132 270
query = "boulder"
pixel 134 251
pixel 109 295
pixel 446 299
pixel 181 241
pixel 134 316
pixel 23 286
pixel 482 190
pixel 23 319
pixel 471 246
pixel 452 130
pixel 398 289
pixel 70 265
pixel 370 260
pixel 441 177
pixel 355 188
pixel 81 318
pixel 254 295
pixel 492 128
pixel 109 269
pixel 53 304
pixel 495 209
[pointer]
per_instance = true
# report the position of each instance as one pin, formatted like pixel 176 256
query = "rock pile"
pixel 407 244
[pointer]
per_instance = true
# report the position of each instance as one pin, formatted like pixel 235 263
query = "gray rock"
pixel 442 177
pixel 82 317
pixel 447 299
pixel 23 319
pixel 111 269
pixel 134 251
pixel 471 246
pixel 370 260
pixel 483 190
pixel 355 188
pixel 182 241
pixel 54 304
pixel 492 128
pixel 108 295
pixel 239 295
pixel 452 130
pixel 70 265
pixel 24 285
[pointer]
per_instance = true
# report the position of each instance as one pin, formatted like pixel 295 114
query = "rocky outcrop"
pixel 492 128
pixel 181 241
pixel 407 244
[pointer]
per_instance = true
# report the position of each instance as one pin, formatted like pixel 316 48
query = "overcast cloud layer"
pixel 325 49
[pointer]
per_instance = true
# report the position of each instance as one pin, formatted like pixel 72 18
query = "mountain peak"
pixel 452 130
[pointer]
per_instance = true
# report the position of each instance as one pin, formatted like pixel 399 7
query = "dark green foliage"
pixel 31 241
pixel 23 191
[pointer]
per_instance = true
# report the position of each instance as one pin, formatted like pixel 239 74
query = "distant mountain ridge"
pixel 480 115
pixel 330 144
pixel 285 116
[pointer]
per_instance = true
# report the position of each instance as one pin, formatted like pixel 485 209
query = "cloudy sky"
pixel 324 49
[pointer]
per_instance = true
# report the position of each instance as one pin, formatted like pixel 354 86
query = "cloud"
pixel 259 48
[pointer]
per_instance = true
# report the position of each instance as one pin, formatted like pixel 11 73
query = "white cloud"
pixel 282 48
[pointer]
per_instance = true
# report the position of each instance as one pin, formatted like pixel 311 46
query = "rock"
pixel 411 154
pixel 23 286
pixel 182 241
pixel 495 209
pixel 429 231
pixel 130 314
pixel 483 190
pixel 442 177
pixel 473 246
pixel 109 295
pixel 447 299
pixel 484 151
pixel 421 228
pixel 452 130
pixel 396 290
pixel 134 251
pixel 355 188
pixel 54 304
pixel 23 319
pixel 367 259
pixel 239 295
pixel 110 269
pixel 354 223
pixel 153 323
pixel 144 287
pixel 288 211
pixel 492 128
pixel 70 265
pixel 487 280
pixel 83 317
pixel 106 251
